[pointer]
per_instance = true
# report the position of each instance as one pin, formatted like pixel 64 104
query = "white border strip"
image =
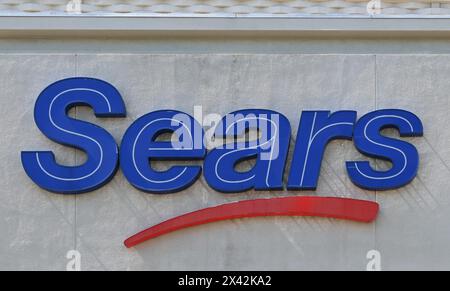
pixel 57 26
pixel 77 23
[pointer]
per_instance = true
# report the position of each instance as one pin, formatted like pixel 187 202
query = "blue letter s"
pixel 50 115
pixel 403 156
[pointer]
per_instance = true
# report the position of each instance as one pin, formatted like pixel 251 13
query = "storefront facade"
pixel 216 58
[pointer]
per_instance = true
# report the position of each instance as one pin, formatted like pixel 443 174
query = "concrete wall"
pixel 413 228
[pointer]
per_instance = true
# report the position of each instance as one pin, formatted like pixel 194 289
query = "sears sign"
pixel 140 145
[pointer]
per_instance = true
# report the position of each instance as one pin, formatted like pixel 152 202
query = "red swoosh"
pixel 340 208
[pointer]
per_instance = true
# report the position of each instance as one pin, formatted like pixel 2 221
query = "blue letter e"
pixel 50 114
pixel 140 146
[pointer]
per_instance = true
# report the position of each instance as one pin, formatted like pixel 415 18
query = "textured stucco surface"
pixel 412 230
pixel 277 8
